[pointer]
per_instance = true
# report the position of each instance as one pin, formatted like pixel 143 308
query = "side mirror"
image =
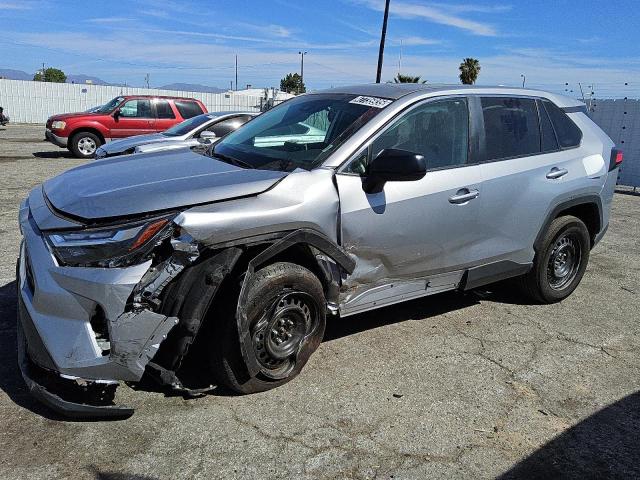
pixel 207 137
pixel 393 165
pixel 116 114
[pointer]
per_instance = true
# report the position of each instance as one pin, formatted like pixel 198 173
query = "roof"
pixel 169 97
pixel 395 91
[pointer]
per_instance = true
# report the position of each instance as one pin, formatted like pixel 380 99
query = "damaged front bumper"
pixel 77 325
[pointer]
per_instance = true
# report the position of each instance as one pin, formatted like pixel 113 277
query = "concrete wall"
pixel 620 119
pixel 34 102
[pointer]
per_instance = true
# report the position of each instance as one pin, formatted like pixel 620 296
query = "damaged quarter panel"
pixel 304 199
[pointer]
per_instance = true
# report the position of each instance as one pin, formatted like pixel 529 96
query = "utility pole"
pixel 146 79
pixel 230 84
pixel 400 59
pixel 524 79
pixel 382 40
pixel 582 92
pixel 236 72
pixel 42 79
pixel 302 54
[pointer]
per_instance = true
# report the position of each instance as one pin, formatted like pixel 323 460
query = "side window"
pixel 549 141
pixel 438 130
pixel 188 109
pixel 568 133
pixel 163 109
pixel 511 127
pixel 224 127
pixel 139 108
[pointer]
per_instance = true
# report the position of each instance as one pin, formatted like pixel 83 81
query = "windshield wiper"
pixel 231 160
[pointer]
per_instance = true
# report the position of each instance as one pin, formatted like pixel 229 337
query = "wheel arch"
pixel 89 129
pixel 306 246
pixel 587 208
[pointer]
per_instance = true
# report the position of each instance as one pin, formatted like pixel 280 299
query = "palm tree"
pixel 469 71
pixel 407 79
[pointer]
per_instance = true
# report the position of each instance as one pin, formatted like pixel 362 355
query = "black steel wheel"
pixel 561 262
pixel 285 312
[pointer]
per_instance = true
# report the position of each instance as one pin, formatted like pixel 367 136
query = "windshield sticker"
pixel 374 102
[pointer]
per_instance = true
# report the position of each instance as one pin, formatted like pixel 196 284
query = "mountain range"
pixel 82 79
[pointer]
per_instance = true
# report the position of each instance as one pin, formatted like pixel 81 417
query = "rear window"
pixel 163 109
pixel 511 127
pixel 188 109
pixel 567 132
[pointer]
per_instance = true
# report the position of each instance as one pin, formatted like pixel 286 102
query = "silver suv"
pixel 232 259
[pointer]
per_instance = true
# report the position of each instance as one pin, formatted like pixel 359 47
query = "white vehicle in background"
pixel 299 133
pixel 201 130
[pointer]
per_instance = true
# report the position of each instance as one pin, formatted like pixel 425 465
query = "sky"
pixel 555 44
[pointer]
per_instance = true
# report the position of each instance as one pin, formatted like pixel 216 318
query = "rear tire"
pixel 561 262
pixel 84 144
pixel 285 308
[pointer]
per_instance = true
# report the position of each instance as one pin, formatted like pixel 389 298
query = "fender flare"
pixel 572 202
pixel 303 236
pixel 96 126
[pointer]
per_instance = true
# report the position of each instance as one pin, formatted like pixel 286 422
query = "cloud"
pixel 16 6
pixel 107 20
pixel 126 54
pixel 434 14
pixel 413 41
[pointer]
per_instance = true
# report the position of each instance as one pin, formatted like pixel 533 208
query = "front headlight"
pixel 117 246
pixel 58 125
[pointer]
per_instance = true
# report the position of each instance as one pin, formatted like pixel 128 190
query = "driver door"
pixel 412 238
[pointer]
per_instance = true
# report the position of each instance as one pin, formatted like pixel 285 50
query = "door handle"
pixel 463 196
pixel 556 172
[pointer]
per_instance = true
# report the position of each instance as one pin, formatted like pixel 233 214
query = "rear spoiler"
pixel 575 109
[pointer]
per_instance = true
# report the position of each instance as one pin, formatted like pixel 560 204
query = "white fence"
pixel 34 102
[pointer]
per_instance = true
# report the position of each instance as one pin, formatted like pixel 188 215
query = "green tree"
pixel 292 83
pixel 54 75
pixel 469 71
pixel 400 78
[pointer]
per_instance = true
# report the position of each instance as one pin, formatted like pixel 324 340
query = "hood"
pixel 119 146
pixel 139 184
pixel 68 116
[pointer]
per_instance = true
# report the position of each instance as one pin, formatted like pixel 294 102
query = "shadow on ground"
pixel 102 475
pixel 54 154
pixel 604 445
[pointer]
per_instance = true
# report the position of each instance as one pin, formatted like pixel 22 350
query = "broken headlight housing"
pixel 114 246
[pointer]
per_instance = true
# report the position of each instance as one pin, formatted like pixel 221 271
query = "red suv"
pixel 83 133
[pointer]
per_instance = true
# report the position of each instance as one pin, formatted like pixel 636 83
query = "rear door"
pixel 135 117
pixel 165 116
pixel 406 236
pixel 529 167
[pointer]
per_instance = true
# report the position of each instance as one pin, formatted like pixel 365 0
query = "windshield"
pixel 108 107
pixel 185 127
pixel 300 133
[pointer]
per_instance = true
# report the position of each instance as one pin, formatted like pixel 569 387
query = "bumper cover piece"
pixel 55 401
pixel 55 139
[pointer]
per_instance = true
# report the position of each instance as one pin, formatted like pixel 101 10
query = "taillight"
pixel 616 158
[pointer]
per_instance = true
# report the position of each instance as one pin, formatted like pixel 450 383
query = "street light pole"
pixel 302 54
pixel 382 39
pixel 524 79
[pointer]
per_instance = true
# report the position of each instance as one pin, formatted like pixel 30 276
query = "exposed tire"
pixel 84 144
pixel 561 262
pixel 285 308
